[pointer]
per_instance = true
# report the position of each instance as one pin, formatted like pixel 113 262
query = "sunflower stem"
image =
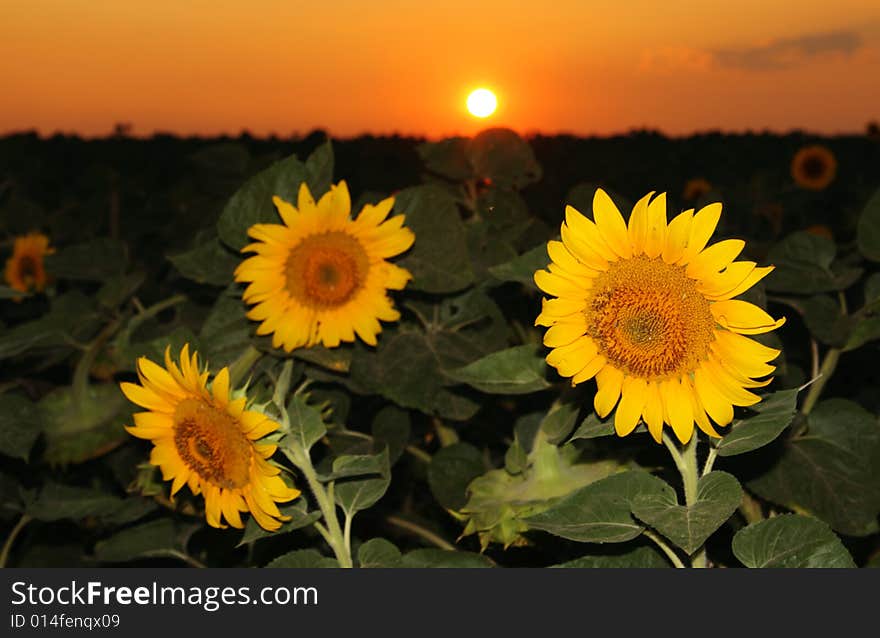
pixel 241 366
pixel 686 462
pixel 80 383
pixel 829 364
pixel 7 546
pixel 670 553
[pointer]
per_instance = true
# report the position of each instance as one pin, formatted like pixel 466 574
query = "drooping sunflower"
pixel 696 188
pixel 208 440
pixel 649 310
pixel 814 167
pixel 321 277
pixel 25 271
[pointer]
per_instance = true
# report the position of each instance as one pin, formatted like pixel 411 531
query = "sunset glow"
pixel 482 103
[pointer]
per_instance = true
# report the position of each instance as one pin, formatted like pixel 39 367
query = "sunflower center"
pixel 27 269
pixel 327 269
pixel 814 167
pixel 211 443
pixel 648 318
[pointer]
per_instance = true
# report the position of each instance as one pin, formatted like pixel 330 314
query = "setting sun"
pixel 482 103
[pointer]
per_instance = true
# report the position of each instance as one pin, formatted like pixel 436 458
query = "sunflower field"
pixel 496 351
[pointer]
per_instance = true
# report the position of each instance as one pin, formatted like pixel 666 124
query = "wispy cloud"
pixel 789 52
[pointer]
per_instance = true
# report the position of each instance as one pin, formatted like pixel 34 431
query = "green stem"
pixel 241 366
pixel 7 546
pixel 81 372
pixel 670 553
pixel 421 532
pixel 686 462
pixel 334 534
pixel 829 364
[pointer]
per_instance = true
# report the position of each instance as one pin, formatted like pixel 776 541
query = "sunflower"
pixel 650 312
pixel 696 188
pixel 321 277
pixel 24 269
pixel 208 440
pixel 814 167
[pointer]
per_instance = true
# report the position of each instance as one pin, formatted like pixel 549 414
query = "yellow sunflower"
pixel 208 440
pixel 24 269
pixel 814 167
pixel 650 312
pixel 321 277
pixel 696 188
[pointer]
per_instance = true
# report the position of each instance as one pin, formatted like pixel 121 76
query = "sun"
pixel 482 103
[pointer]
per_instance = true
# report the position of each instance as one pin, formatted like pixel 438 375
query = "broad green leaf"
pixel 438 260
pixel 378 553
pixel 252 204
pixel 299 518
pixel 447 158
pixel 825 320
pixel 161 537
pixel 868 231
pixel 226 332
pixel 207 262
pixel 356 494
pixel 865 330
pixel 20 425
pixel 517 370
pixel 599 512
pixel 506 213
pixel 718 496
pixel 94 260
pixel 830 471
pixel 559 422
pixel 452 468
pixel 790 541
pixel 72 316
pixel 591 427
pixel 804 265
pixel 442 558
pixel 306 425
pixel 522 269
pixel 774 413
pixel 304 559
pixel 319 170
pixel 872 291
pixel 391 426
pixel 55 502
pixel 349 465
pixel 504 157
pixel 334 359
pixel 118 288
pixel 619 557
pixel 81 428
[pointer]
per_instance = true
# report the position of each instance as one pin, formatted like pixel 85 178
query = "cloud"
pixel 789 52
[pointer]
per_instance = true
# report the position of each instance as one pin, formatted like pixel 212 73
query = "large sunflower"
pixel 650 312
pixel 24 268
pixel 814 167
pixel 321 277
pixel 207 440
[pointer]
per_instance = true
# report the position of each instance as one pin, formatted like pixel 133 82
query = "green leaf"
pixel 451 470
pixel 304 559
pixel 442 558
pixel 619 557
pixel 591 427
pixel 522 269
pixel 504 157
pixel 56 502
pixel 774 413
pixel 865 330
pixel 718 496
pixel 349 465
pixel 517 370
pixel 306 425
pixel 20 425
pixel 872 291
pixel 868 230
pixel 299 518
pixel 252 203
pixel 391 426
pixel 599 512
pixel 830 471
pixel 439 259
pixel 161 537
pixel 804 265
pixel 354 495
pixel 334 359
pixel 81 428
pixel 378 553
pixel 118 288
pixel 559 422
pixel 207 262
pixel 825 320
pixel 319 169
pixel 94 260
pixel 790 541
pixel 447 158
pixel 72 316
pixel 226 332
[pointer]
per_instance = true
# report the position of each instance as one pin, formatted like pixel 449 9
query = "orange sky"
pixel 383 66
